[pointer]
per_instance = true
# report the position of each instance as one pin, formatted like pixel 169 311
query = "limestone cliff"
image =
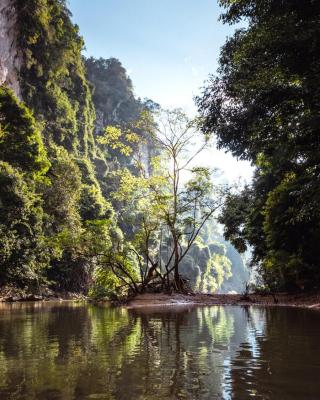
pixel 10 60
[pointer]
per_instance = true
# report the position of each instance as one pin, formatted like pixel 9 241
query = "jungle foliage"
pixel 264 107
pixel 56 211
pixel 81 164
pixel 166 213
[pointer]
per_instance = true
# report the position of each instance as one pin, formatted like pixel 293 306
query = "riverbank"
pixel 305 300
pixel 10 294
pixel 152 300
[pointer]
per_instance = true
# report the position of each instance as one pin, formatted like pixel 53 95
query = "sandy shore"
pixel 152 300
pixel 305 300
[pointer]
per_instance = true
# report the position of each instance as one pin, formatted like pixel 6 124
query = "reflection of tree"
pixel 218 322
pixel 80 351
pixel 179 352
pixel 73 351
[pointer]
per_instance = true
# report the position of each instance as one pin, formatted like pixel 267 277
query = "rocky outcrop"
pixel 10 60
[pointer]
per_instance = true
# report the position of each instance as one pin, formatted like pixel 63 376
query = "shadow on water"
pixel 77 351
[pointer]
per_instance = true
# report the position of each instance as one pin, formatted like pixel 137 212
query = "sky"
pixel 169 48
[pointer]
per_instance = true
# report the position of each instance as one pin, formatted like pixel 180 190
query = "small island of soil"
pixel 305 300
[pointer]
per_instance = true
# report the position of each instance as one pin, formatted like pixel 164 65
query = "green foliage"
pixel 23 163
pixel 68 199
pixel 106 284
pixel 213 264
pixel 22 253
pixel 55 87
pixel 207 266
pixel 20 139
pixel 119 140
pixel 292 229
pixel 93 205
pixel 62 196
pixel 118 112
pixel 53 74
pixel 264 107
pixel 166 215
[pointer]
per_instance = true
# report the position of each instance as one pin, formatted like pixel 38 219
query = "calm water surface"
pixel 73 351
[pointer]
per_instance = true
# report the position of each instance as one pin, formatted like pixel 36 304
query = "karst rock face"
pixel 10 60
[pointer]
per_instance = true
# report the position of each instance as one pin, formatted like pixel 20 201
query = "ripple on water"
pixel 76 351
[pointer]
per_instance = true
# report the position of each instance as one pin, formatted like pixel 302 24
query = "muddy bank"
pixel 159 300
pixel 10 294
pixel 306 300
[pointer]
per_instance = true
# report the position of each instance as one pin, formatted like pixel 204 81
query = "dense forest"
pixel 73 137
pixel 87 202
pixel 264 106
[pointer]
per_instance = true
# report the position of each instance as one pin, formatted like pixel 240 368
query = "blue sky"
pixel 169 48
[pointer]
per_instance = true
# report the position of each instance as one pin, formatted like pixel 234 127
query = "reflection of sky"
pixel 173 353
pixel 168 47
pixel 223 334
pixel 227 379
pixel 256 330
pixel 248 327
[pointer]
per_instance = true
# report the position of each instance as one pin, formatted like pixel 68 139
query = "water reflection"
pixel 77 351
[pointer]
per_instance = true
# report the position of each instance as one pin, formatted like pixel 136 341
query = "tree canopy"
pixel 264 107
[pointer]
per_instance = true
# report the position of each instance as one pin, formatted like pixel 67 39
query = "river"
pixel 64 351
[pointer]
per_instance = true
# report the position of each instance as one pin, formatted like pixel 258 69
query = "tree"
pixel 22 251
pixel 264 107
pixel 20 139
pixel 170 206
pixel 23 165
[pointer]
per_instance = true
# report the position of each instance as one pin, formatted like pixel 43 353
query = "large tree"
pixel 264 106
pixel 167 206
